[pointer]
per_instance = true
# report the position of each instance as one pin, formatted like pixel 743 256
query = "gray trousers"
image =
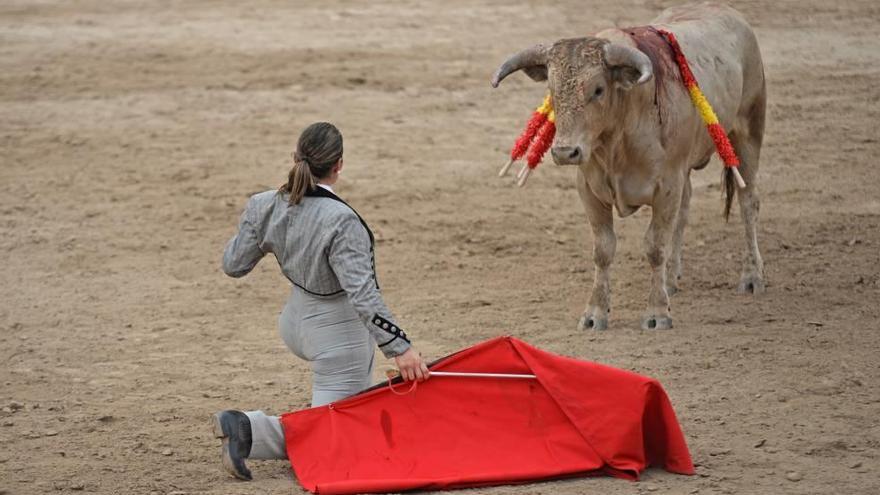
pixel 326 332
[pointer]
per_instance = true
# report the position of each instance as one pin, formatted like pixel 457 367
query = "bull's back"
pixel 722 51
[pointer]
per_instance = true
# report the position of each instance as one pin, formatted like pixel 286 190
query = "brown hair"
pixel 318 150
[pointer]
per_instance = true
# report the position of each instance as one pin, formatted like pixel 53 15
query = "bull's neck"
pixel 632 115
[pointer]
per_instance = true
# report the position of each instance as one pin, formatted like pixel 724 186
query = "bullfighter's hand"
pixel 412 366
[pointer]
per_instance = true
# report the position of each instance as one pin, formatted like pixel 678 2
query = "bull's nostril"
pixel 567 155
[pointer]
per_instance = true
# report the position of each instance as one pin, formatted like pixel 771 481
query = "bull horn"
pixel 524 60
pixel 619 55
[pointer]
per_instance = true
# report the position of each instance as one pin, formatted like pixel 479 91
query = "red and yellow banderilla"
pixel 716 130
pixel 534 142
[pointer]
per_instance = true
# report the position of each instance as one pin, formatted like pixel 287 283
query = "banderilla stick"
pixel 505 168
pixel 738 178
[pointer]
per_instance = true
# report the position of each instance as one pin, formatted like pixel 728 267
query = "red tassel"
pixel 722 144
pixel 522 143
pixel 685 69
pixel 541 144
pixel 716 130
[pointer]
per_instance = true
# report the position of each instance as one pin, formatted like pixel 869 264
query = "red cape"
pixel 577 418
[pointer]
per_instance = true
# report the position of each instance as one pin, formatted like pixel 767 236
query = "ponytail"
pixel 318 150
pixel 300 181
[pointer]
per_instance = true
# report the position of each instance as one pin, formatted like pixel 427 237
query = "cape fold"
pixel 577 418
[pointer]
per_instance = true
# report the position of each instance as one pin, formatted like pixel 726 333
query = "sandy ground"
pixel 132 133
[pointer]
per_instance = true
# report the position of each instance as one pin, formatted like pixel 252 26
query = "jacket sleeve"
pixel 243 251
pixel 351 258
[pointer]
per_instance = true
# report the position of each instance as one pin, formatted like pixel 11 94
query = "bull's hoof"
pixel 656 323
pixel 751 284
pixel 590 322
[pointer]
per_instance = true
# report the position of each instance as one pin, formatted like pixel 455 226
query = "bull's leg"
pixel 752 278
pixel 658 244
pixel 604 243
pixel 746 139
pixel 678 238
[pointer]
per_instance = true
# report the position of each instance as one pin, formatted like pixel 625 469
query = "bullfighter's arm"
pixel 351 257
pixel 243 251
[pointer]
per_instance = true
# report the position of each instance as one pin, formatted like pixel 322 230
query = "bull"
pixel 625 120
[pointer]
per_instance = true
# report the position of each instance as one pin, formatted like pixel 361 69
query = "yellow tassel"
pixel 546 106
pixel 703 106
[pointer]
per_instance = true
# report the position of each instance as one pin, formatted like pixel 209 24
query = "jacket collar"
pixel 320 192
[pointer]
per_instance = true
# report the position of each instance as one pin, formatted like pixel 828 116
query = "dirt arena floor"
pixel 132 133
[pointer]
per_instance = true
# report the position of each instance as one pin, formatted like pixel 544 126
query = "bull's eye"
pixel 598 92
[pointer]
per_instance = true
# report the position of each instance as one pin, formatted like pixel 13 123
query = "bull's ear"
pixel 624 77
pixel 629 67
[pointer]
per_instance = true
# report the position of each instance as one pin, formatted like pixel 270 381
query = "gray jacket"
pixel 323 247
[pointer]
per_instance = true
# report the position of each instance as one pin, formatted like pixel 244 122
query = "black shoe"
pixel 234 428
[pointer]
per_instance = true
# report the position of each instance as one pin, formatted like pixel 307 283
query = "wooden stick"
pixel 739 178
pixel 524 176
pixel 481 375
pixel 393 373
pixel 505 168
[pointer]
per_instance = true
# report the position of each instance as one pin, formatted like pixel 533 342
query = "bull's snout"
pixel 567 155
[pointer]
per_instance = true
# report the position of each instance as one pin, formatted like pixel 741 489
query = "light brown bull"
pixel 625 120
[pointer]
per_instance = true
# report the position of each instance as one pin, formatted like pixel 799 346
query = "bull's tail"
pixel 728 187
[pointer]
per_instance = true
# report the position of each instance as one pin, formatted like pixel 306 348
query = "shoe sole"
pixel 225 458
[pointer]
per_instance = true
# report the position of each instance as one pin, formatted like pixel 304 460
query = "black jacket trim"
pixel 389 327
pixel 320 192
pixel 340 291
pixel 390 341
